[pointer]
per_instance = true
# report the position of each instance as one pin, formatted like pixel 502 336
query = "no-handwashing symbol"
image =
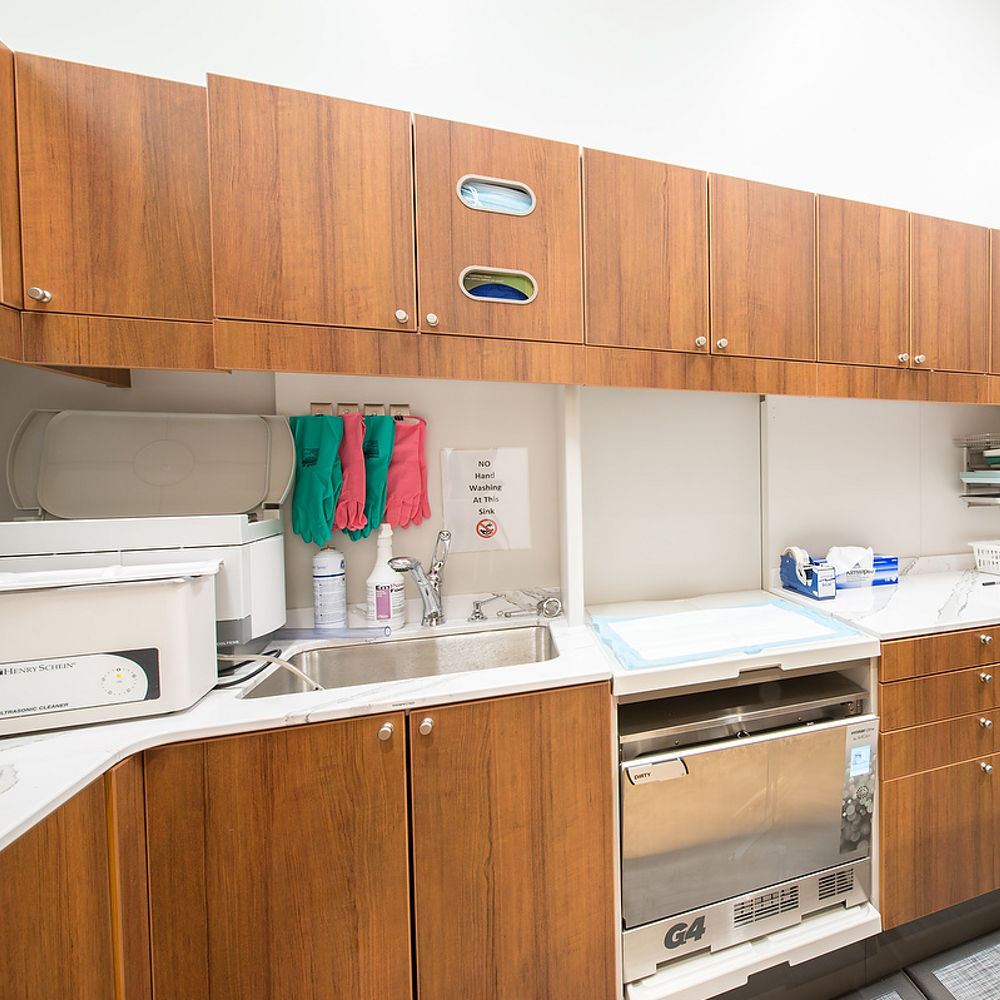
pixel 487 528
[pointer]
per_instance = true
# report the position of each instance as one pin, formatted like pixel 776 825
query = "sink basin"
pixel 421 656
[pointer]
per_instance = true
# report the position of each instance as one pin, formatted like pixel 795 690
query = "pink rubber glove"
pixel 406 484
pixel 350 513
pixel 423 506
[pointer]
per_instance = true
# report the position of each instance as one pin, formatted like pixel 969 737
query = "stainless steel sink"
pixel 421 656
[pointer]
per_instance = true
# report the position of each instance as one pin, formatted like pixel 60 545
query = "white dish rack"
pixel 987 556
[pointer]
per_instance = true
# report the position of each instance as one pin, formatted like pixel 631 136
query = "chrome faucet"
pixel 428 582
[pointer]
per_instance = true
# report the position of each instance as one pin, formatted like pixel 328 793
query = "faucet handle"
pixel 441 549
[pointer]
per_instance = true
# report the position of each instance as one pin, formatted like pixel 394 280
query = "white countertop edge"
pixel 41 771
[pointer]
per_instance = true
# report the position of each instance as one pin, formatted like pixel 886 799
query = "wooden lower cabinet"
pixel 278 864
pixel 938 839
pixel 512 847
pixel 56 906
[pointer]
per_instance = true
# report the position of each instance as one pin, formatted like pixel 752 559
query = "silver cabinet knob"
pixel 722 343
pixel 986 723
pixel 700 341
pixel 987 768
pixel 432 319
pixel 402 315
pixel 425 727
pixel 385 733
pixel 986 640
pixel 40 294
pixel 903 358
pixel 986 678
pixel 920 359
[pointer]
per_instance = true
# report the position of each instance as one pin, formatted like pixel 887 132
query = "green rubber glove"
pixel 380 434
pixel 318 476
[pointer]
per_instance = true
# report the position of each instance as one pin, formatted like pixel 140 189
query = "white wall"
pixel 870 472
pixel 671 493
pixel 891 101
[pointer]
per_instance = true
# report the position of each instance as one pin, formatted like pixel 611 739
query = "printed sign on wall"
pixel 486 499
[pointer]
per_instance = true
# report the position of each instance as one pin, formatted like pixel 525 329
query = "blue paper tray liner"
pixel 825 628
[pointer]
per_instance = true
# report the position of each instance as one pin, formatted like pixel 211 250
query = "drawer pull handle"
pixel 386 731
pixel 987 768
pixel 986 678
pixel 986 640
pixel 425 727
pixel 986 723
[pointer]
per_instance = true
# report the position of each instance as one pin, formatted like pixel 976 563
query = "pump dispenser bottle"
pixel 385 586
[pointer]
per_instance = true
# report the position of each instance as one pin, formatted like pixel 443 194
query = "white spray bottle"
pixel 385 586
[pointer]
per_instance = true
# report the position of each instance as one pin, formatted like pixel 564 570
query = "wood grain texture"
pixel 292 348
pixel 936 697
pixel 300 854
pixel 104 341
pixel 937 744
pixel 125 793
pixel 55 901
pixel 451 236
pixel 312 208
pixel 10 215
pixel 513 855
pixel 645 243
pixel 937 844
pixel 178 896
pixel 762 254
pixel 863 282
pixel 994 304
pixel 930 654
pixel 10 334
pixel 670 370
pixel 949 275
pixel 114 191
pixel 477 358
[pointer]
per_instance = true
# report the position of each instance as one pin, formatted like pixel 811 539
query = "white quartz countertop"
pixel 40 771
pixel 934 594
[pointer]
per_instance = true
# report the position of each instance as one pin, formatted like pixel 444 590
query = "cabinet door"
pixel 114 191
pixel 512 847
pixel 937 840
pixel 55 901
pixel 936 697
pixel 646 253
pixel 763 269
pixel 10 222
pixel 863 283
pixel 949 272
pixel 312 208
pixel 995 301
pixel 278 864
pixel 465 251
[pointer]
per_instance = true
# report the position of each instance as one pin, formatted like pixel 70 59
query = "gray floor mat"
pixel 968 972
pixel 894 987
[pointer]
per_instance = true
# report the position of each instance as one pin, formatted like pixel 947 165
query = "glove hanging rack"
pixel 396 410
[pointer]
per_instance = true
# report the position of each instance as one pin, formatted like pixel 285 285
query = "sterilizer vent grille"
pixel 836 883
pixel 770 904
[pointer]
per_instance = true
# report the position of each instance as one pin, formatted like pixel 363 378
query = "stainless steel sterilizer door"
pixel 710 822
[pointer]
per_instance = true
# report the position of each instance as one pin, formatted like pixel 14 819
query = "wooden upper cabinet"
pixel 512 847
pixel 498 233
pixel 645 253
pixel 863 283
pixel 10 217
pixel 995 301
pixel 114 191
pixel 949 274
pixel 312 208
pixel 762 251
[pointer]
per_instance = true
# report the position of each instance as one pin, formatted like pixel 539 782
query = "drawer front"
pixel 921 748
pixel 932 654
pixel 932 699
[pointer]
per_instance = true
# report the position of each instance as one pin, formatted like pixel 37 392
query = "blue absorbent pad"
pixel 663 640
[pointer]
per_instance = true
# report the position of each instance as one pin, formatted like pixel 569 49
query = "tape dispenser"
pixel 800 573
